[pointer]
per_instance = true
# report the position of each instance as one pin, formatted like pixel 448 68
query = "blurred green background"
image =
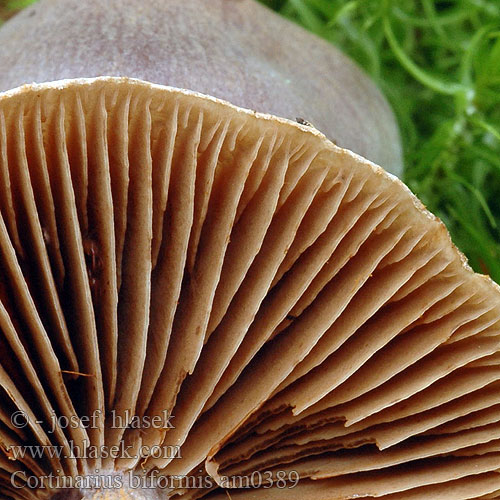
pixel 438 63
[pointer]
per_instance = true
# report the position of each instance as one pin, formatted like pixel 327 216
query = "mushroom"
pixel 236 50
pixel 195 297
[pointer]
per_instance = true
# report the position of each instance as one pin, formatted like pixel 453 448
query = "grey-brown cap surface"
pixel 236 50
pixel 292 306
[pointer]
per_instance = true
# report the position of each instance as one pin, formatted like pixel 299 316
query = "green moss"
pixel 9 7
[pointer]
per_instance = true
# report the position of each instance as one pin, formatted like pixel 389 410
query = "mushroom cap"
pixel 236 50
pixel 238 294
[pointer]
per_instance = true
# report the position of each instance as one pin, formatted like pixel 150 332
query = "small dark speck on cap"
pixel 302 121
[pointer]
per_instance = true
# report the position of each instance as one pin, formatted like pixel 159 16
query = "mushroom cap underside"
pixel 276 304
